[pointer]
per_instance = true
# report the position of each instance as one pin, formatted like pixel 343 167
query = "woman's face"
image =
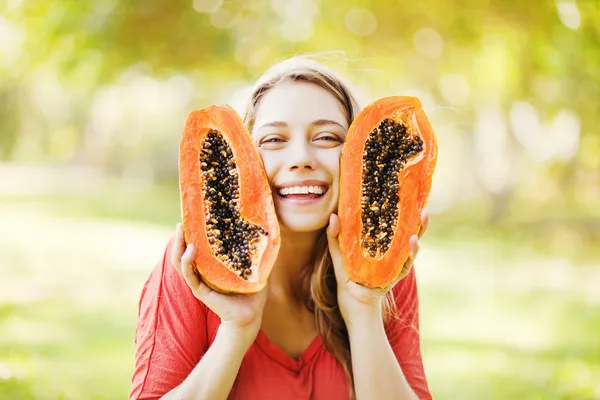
pixel 299 130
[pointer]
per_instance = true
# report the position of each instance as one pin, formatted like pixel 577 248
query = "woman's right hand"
pixel 241 314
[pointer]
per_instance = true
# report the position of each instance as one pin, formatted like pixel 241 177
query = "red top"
pixel 175 329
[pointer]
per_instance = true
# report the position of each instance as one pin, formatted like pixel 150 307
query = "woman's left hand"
pixel 355 299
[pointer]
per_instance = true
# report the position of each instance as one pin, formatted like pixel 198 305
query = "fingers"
pixel 414 243
pixel 188 271
pixel 424 222
pixel 333 230
pixel 414 246
pixel 178 247
pixel 414 250
pixel 187 267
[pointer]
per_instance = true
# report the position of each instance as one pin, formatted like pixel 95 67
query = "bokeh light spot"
pixel 428 42
pixel 223 18
pixel 13 4
pixel 568 14
pixel 491 143
pixel 360 21
pixel 297 29
pixel 565 131
pixel 454 88
pixel 207 6
pixel 11 39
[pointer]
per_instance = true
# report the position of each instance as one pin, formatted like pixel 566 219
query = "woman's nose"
pixel 300 158
pixel 304 165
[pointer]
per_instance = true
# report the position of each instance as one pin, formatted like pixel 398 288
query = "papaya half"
pixel 227 207
pixel 387 166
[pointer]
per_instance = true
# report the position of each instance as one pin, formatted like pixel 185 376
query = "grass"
pixel 502 318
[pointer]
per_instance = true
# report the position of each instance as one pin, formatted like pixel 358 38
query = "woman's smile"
pixel 306 192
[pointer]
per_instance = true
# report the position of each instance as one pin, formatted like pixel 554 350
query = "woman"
pixel 311 333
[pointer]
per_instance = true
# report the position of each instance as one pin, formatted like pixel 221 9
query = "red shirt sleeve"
pixel 168 346
pixel 403 334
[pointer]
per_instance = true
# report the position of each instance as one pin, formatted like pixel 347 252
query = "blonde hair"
pixel 317 286
pixel 303 69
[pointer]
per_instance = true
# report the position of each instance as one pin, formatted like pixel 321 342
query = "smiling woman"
pixel 311 333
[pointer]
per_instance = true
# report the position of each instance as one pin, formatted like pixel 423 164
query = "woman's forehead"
pixel 299 103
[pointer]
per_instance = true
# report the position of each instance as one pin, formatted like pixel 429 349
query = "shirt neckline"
pixel 282 358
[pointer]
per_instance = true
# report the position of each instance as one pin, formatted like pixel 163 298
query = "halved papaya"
pixel 226 202
pixel 387 166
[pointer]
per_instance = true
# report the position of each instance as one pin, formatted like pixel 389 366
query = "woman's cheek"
pixel 268 165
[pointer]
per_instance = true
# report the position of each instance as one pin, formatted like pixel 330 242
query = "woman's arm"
pixel 404 337
pixel 386 361
pixel 171 336
pixel 377 374
pixel 173 357
pixel 390 358
pixel 214 376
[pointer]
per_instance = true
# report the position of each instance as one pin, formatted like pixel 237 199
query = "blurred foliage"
pixel 108 83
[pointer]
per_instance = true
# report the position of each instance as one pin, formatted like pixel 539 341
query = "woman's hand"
pixel 241 314
pixel 354 299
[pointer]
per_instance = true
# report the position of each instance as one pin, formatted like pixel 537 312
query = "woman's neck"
pixel 295 253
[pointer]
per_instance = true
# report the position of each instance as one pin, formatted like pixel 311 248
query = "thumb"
pixel 333 230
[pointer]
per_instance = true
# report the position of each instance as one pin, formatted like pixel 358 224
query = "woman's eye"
pixel 270 140
pixel 329 138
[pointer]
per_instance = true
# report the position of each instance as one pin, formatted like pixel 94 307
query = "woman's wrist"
pixel 237 338
pixel 365 328
pixel 364 316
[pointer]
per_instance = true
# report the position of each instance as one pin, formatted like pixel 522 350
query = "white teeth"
pixel 301 190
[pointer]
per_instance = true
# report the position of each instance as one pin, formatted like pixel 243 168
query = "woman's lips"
pixel 304 198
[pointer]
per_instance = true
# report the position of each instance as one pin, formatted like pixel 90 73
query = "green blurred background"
pixel 93 98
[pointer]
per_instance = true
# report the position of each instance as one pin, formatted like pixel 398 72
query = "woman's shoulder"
pixel 166 290
pixel 174 330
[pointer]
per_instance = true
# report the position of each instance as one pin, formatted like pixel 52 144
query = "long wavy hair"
pixel 317 286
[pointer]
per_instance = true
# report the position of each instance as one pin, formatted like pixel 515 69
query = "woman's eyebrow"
pixel 320 122
pixel 276 124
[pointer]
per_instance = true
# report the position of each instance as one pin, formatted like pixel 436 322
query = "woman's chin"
pixel 302 223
